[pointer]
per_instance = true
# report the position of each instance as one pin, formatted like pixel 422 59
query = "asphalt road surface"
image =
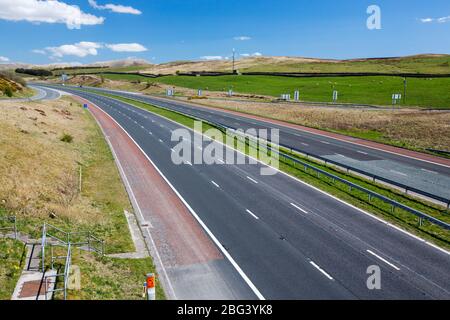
pixel 428 177
pixel 291 240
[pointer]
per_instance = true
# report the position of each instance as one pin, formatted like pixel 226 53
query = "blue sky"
pixel 168 30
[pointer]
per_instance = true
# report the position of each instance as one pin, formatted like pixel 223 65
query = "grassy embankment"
pixel 357 198
pixel 13 86
pixel 39 181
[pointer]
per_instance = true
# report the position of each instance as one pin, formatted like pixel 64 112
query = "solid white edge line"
pixel 214 183
pixel 321 270
pixel 384 260
pixel 328 194
pixel 199 220
pixel 252 180
pixel 252 214
pixel 298 208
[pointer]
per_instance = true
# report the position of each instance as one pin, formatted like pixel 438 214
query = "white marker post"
pixel 297 95
pixel 199 93
pixel 150 287
pixel 335 95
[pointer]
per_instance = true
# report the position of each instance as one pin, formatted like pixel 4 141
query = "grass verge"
pixel 104 278
pixel 11 264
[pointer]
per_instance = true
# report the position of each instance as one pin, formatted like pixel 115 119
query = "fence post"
pixel 44 232
pixel 15 228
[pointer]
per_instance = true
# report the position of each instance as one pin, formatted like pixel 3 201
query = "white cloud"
pixel 426 20
pixel 438 20
pixel 87 48
pixel 38 51
pixel 242 38
pixel 47 11
pixel 4 59
pixel 80 49
pixel 246 55
pixel 115 8
pixel 126 47
pixel 210 58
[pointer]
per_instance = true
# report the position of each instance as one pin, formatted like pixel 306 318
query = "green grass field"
pixel 378 90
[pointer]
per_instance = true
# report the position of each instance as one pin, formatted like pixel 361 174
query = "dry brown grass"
pixel 226 65
pixel 39 173
pixel 407 127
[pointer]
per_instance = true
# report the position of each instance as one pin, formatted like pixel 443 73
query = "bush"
pixel 67 138
pixel 8 91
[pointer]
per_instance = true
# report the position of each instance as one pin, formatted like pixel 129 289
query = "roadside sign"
pixel 297 95
pixel 199 92
pixel 396 97
pixel 64 77
pixel 170 92
pixel 230 92
pixel 286 97
pixel 85 106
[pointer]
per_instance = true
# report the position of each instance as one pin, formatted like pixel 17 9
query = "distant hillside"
pixel 424 63
pixel 129 62
pixel 412 64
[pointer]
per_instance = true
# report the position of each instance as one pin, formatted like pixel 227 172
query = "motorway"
pixel 291 240
pixel 429 177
